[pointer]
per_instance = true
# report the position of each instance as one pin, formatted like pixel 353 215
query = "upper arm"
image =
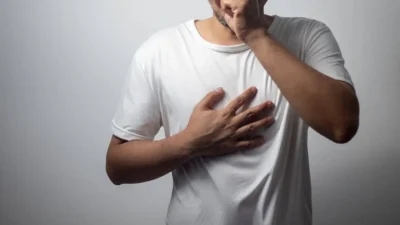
pixel 115 141
pixel 137 116
pixel 322 52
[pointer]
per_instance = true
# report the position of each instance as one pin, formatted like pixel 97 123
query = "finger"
pixel 226 8
pixel 249 128
pixel 231 4
pixel 239 101
pixel 250 143
pixel 225 4
pixel 228 18
pixel 248 114
pixel 211 99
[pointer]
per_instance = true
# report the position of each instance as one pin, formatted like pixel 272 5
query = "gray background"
pixel 62 65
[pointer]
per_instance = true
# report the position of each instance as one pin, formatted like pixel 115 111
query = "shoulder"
pixel 302 24
pixel 304 32
pixel 159 42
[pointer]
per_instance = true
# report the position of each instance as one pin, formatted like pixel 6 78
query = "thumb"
pixel 228 19
pixel 211 99
pixel 226 8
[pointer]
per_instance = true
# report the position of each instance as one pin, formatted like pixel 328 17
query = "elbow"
pixel 113 166
pixel 347 123
pixel 345 132
pixel 112 171
pixel 112 176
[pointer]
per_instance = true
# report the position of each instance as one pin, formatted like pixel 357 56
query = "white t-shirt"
pixel 174 69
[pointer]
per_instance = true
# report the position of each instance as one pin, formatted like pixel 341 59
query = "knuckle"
pixel 223 123
pixel 234 135
pixel 225 115
pixel 240 100
pixel 251 127
pixel 230 127
pixel 250 114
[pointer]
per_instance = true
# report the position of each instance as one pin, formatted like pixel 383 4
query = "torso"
pixel 267 185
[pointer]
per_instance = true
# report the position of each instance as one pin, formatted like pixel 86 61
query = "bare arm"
pixel 209 133
pixel 141 161
pixel 329 106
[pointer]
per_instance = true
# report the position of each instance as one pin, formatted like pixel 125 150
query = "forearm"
pixel 141 161
pixel 327 105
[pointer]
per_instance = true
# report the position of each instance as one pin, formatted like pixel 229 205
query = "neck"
pixel 214 32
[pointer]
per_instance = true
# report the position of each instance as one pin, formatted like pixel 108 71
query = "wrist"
pixel 255 35
pixel 183 146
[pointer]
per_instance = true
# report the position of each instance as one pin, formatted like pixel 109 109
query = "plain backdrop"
pixel 62 64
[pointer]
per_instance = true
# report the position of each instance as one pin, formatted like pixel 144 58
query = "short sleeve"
pixel 322 52
pixel 137 116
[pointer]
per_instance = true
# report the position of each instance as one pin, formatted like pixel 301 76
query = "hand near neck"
pixel 215 31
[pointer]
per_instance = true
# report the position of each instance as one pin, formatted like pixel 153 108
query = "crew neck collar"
pixel 191 24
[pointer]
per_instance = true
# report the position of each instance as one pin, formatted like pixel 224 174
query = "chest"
pixel 184 82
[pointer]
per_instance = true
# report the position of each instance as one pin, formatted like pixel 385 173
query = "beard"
pixel 221 20
pixel 215 4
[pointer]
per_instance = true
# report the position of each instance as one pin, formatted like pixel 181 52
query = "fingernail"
pixel 219 90
pixel 253 90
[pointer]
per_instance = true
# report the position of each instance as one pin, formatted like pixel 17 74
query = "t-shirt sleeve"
pixel 322 52
pixel 137 116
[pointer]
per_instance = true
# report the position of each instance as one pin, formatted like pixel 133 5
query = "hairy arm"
pixel 328 105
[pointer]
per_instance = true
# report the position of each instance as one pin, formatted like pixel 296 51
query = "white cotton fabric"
pixel 174 69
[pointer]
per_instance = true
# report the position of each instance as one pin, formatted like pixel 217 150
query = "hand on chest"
pixel 183 85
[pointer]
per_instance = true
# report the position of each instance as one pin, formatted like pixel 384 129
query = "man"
pixel 235 94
